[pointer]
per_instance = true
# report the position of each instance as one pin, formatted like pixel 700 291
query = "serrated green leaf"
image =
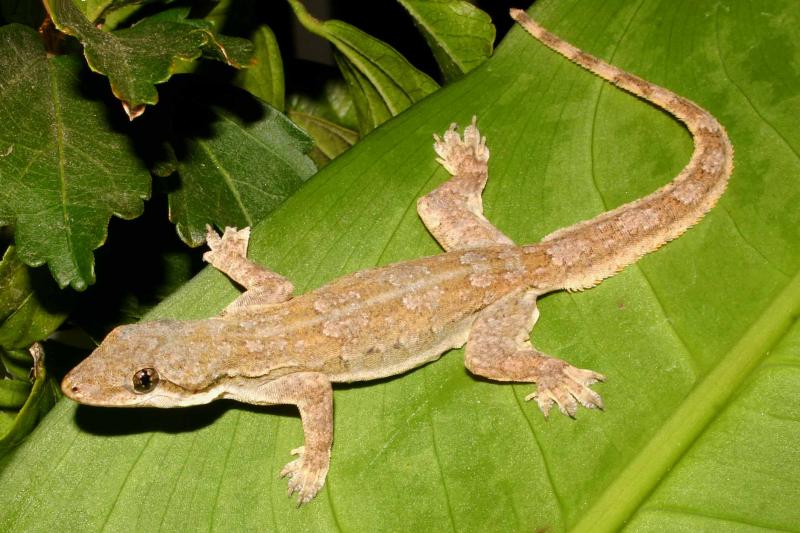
pixel 264 78
pixel 233 51
pixel 31 307
pixel 387 80
pixel 701 336
pixel 135 59
pixel 330 140
pixel 460 35
pixel 64 170
pixel 237 171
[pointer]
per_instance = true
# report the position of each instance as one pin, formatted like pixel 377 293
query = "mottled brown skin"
pixel 270 348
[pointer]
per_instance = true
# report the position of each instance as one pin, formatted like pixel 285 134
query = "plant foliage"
pixel 699 340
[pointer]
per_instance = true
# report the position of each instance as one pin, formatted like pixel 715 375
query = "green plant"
pixel 699 340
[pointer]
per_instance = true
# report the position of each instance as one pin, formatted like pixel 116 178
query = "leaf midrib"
pixel 705 402
pixel 62 179
pixel 229 181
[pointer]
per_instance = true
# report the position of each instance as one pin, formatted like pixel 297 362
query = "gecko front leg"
pixel 498 348
pixel 453 212
pixel 311 392
pixel 228 254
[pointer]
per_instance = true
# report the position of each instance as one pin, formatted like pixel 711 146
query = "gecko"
pixel 268 347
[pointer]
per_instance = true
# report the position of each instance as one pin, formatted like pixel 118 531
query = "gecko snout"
pixel 70 388
pixel 76 387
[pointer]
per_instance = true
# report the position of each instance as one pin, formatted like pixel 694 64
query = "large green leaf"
pixel 699 340
pixel 64 169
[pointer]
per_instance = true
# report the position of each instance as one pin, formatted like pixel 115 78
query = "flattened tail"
pixel 595 249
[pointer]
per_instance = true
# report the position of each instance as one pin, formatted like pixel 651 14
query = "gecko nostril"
pixel 74 388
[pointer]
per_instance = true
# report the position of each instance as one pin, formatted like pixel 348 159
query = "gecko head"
pixel 136 365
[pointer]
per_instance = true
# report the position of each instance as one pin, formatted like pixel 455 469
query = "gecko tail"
pixel 617 238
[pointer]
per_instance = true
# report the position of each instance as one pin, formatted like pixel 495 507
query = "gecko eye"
pixel 145 380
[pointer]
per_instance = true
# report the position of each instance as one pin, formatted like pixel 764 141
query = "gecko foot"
pixel 561 383
pixel 232 245
pixel 306 474
pixel 461 156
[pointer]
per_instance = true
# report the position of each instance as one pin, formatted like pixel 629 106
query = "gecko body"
pixel 271 348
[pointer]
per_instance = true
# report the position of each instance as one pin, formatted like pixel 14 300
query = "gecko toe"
pixel 459 154
pixel 564 385
pixel 212 237
pixel 306 475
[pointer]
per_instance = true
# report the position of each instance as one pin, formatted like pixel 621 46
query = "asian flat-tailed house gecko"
pixel 270 348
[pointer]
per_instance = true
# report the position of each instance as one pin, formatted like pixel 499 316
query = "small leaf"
pixel 13 393
pixel 235 166
pixel 93 9
pixel 460 35
pixel 330 140
pixel 264 78
pixel 135 59
pixel 64 170
pixel 100 10
pixel 383 82
pixel 39 398
pixel 370 106
pixel 16 363
pixel 31 306
pixel 333 103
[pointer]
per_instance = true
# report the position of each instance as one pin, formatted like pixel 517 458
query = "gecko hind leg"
pixel 453 212
pixel 228 254
pixel 498 348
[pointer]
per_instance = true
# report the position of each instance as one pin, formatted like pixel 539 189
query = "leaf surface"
pixel 330 140
pixel 241 166
pixel 699 340
pixel 25 397
pixel 459 34
pixel 31 306
pixel 264 78
pixel 64 170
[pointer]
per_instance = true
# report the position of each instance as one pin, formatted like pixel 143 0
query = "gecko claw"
pixel 211 234
pixel 564 385
pixel 306 475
